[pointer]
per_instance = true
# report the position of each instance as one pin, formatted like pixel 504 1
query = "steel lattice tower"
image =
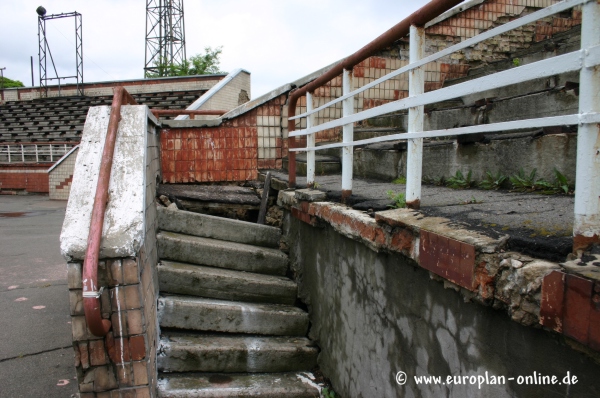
pixel 165 36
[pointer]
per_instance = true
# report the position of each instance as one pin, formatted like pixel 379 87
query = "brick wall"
pixel 30 178
pixel 232 151
pixel 123 363
pixel 60 177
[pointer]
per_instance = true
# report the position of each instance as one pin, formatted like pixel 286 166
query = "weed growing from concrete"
pixel 399 199
pixel 327 393
pixel 529 183
pixel 492 181
pixel 399 180
pixel 459 181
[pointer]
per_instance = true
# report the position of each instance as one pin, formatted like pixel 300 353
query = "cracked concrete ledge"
pixel 467 261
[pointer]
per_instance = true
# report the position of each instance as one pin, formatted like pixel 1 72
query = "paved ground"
pixel 539 225
pixel 36 355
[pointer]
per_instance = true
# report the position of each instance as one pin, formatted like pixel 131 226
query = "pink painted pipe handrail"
pixel 91 294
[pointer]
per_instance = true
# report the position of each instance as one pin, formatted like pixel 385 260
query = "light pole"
pixel 2 78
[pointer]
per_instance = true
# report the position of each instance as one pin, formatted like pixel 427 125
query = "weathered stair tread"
pixel 187 312
pixel 271 385
pixel 218 353
pixel 219 283
pixel 217 253
pixel 203 225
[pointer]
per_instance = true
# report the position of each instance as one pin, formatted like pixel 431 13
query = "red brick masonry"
pixel 30 177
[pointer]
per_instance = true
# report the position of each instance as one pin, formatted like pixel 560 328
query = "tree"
pixel 199 64
pixel 7 83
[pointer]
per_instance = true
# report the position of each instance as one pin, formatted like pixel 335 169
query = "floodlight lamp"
pixel 41 11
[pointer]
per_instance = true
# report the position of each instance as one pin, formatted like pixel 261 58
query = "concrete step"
pixel 230 354
pixel 196 224
pixel 186 312
pixel 210 282
pixel 324 164
pixel 216 253
pixel 271 385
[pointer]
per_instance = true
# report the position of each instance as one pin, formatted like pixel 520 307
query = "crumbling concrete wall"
pixel 376 313
pixel 124 361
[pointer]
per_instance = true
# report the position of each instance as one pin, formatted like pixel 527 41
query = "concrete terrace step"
pixel 196 224
pixel 229 354
pixel 324 164
pixel 221 254
pixel 272 385
pixel 210 282
pixel 185 312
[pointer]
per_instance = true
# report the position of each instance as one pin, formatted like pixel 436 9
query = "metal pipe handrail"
pixel 551 10
pixel 420 17
pixel 91 293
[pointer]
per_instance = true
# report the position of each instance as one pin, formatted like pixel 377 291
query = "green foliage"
pixel 529 183
pixel 8 83
pixel 516 62
pixel 523 183
pixel 492 181
pixel 459 181
pixel 199 64
pixel 399 180
pixel 399 199
pixel 328 393
pixel 562 183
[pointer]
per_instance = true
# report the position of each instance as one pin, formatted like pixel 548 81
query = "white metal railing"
pixel 34 152
pixel 586 60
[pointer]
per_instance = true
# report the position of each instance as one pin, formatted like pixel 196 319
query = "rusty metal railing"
pixel 91 292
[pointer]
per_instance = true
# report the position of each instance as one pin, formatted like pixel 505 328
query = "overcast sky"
pixel 277 41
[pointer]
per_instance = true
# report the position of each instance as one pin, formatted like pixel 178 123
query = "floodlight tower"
pixel 44 50
pixel 165 36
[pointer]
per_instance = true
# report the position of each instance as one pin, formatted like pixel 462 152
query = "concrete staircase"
pixel 226 311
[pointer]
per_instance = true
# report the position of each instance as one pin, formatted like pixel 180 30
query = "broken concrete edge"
pixel 473 264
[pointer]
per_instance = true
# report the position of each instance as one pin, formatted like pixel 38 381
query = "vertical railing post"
pixel 348 135
pixel 37 159
pixel 51 153
pixel 416 86
pixel 310 142
pixel 22 154
pixel 586 226
pixel 8 150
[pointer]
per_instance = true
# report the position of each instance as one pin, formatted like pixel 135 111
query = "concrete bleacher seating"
pixel 62 118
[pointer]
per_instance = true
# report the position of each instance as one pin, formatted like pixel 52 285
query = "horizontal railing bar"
pixel 480 128
pixel 554 9
pixel 553 66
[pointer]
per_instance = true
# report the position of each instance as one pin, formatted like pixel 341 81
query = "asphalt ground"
pixel 537 225
pixel 36 354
